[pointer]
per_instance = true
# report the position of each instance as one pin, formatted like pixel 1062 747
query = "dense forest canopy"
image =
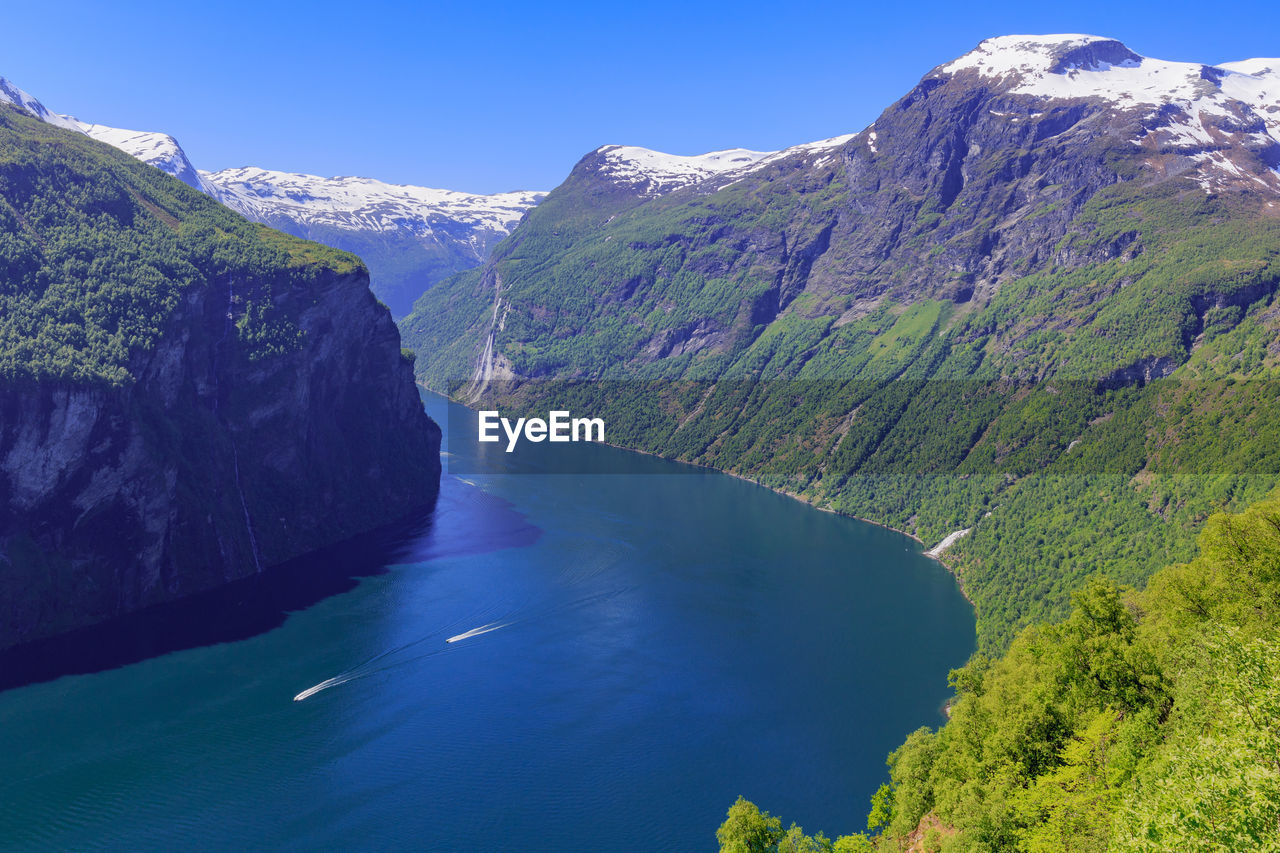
pixel 1145 721
pixel 97 249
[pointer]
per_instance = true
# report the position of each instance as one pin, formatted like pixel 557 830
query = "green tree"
pixel 1217 789
pixel 795 841
pixel 857 843
pixel 748 830
pixel 910 768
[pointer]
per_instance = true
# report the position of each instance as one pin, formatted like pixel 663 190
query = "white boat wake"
pixel 524 613
pixel 324 685
pixel 475 632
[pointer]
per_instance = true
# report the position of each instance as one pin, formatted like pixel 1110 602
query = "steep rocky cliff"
pixel 185 398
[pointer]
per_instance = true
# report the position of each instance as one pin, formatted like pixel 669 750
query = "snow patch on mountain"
pixel 1256 82
pixel 659 173
pixel 819 147
pixel 158 149
pixel 11 94
pixel 1260 66
pixel 1211 114
pixel 1082 66
pixel 363 204
pixel 664 172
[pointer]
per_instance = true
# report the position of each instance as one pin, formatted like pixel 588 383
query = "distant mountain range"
pixel 410 237
pixel 917 323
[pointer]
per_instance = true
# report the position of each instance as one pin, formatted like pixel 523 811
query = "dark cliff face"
pixel 209 468
pixel 956 187
pixel 273 414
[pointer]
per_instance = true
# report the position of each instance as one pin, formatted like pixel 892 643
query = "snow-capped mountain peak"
pixel 1079 66
pixel 1220 117
pixel 656 172
pixel 409 236
pixel 1031 55
pixel 159 149
pixel 11 94
pixel 1083 66
pixel 664 172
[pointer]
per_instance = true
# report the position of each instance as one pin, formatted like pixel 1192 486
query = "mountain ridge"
pixel 409 236
pixel 1082 66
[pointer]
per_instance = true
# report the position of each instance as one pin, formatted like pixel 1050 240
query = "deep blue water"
pixel 659 644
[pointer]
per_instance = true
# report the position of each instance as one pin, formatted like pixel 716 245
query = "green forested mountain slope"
pixel 1047 319
pixel 98 250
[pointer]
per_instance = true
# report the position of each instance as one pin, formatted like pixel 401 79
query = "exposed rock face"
pixel 964 187
pixel 186 398
pixel 211 466
pixel 979 175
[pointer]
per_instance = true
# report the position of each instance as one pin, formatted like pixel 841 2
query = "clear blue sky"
pixel 486 97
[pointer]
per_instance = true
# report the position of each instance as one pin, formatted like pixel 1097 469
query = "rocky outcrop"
pixel 215 463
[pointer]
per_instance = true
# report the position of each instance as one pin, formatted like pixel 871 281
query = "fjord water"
pixel 650 645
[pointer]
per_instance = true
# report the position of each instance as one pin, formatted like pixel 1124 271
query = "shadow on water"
pixel 476 523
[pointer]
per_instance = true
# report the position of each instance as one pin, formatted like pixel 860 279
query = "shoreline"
pixel 939 558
